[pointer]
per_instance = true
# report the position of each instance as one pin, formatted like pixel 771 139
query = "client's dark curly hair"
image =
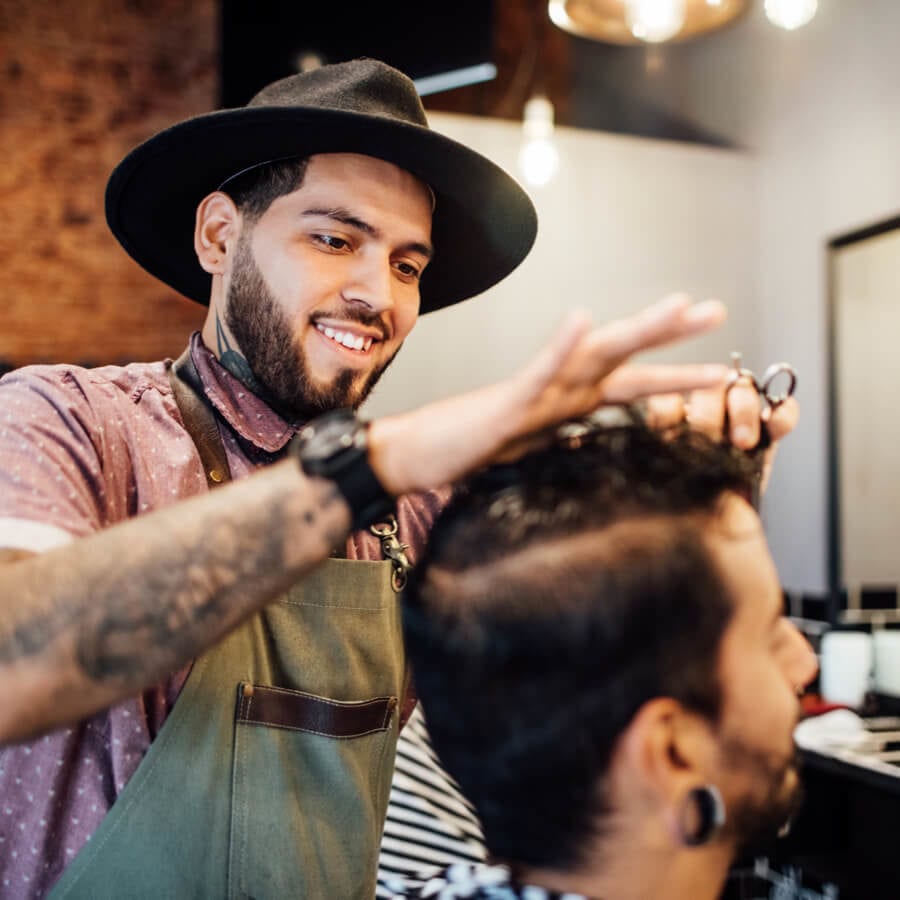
pixel 557 595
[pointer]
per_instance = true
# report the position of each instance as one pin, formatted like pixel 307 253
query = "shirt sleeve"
pixel 51 475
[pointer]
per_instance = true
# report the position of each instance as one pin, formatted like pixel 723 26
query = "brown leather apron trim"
pixel 200 423
pixel 281 708
pixel 198 419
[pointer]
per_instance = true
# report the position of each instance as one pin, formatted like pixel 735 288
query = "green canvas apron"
pixel 270 776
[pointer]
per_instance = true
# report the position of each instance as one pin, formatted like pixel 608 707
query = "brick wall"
pixel 82 82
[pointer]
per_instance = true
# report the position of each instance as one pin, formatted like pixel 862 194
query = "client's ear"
pixel 667 752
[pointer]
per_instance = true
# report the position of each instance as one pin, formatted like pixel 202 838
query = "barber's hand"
pixel 705 410
pixel 579 369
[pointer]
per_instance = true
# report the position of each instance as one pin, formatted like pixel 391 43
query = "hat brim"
pixel 484 222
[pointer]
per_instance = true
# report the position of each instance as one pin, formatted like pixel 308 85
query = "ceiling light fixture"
pixel 645 21
pixel 790 14
pixel 655 21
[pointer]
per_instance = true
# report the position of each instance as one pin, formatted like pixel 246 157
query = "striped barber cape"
pixel 429 823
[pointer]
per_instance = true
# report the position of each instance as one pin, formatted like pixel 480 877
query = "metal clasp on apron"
pixel 393 550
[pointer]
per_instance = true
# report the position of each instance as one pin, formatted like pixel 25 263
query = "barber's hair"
pixel 557 596
pixel 254 191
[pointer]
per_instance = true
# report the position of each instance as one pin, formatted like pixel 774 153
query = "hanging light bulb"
pixel 790 14
pixel 630 22
pixel 538 158
pixel 655 21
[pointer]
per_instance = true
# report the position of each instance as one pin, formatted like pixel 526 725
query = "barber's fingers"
pixel 660 384
pixel 552 356
pixel 743 407
pixel 704 410
pixel 671 319
pixel 663 411
pixel 782 420
pixel 580 356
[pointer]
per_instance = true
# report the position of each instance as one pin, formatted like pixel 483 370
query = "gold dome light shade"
pixel 606 20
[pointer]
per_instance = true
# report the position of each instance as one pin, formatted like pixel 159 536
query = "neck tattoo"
pixel 234 362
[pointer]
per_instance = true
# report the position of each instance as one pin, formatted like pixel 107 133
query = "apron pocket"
pixel 309 782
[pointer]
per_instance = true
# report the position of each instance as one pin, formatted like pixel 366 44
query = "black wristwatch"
pixel 336 446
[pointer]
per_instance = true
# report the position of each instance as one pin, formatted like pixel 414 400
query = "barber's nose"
pixel 372 283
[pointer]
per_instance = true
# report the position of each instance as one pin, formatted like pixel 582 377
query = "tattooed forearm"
pixel 199 580
pixel 101 618
pixel 10 555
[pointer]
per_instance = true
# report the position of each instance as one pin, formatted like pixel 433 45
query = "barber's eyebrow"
pixel 345 217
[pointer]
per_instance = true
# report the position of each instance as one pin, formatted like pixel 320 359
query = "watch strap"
pixel 369 502
pixel 346 463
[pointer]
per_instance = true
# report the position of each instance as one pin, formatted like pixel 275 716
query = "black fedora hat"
pixel 484 223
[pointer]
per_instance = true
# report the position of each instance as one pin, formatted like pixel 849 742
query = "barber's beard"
pixel 276 358
pixel 756 818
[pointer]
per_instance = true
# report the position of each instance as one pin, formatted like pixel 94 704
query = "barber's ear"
pixel 669 749
pixel 216 230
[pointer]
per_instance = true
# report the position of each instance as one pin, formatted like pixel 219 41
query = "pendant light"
pixel 790 14
pixel 644 21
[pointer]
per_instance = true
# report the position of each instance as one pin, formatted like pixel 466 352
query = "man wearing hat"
pixel 205 692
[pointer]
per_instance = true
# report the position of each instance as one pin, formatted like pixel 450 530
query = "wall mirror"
pixel 864 373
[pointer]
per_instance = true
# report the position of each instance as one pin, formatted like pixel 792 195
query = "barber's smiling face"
pixel 763 662
pixel 325 287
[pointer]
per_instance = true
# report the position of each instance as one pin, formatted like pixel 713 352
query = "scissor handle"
pixel 738 374
pixel 765 387
pixel 741 375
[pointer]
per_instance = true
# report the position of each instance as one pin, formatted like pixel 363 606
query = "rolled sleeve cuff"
pixel 37 537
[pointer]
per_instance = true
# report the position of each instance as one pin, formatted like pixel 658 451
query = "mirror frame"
pixel 837 594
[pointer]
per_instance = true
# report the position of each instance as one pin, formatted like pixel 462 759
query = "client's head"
pixel 597 639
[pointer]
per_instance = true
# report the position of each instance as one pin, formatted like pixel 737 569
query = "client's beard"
pixel 755 821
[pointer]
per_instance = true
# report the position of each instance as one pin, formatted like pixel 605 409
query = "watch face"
pixel 330 435
pixel 335 446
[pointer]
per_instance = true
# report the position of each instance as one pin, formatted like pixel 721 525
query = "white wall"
pixel 820 110
pixel 625 222
pixel 628 219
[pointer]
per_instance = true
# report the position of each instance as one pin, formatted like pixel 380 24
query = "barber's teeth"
pixel 345 338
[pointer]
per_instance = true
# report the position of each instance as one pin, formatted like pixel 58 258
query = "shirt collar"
pixel 249 416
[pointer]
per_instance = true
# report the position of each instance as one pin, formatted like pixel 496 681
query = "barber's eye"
pixel 408 269
pixel 330 240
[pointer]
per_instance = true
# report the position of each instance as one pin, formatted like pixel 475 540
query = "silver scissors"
pixel 778 383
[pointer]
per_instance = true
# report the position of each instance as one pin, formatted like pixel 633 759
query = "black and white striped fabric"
pixel 429 823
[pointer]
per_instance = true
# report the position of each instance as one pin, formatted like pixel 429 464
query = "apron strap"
pixel 198 418
pixel 200 422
